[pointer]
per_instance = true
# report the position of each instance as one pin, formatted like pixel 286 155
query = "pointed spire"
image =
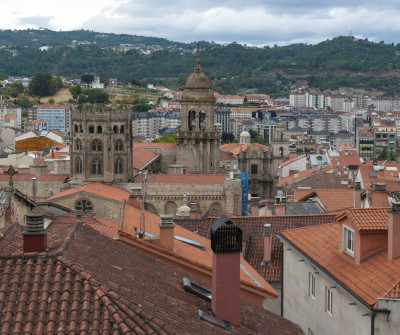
pixel 198 67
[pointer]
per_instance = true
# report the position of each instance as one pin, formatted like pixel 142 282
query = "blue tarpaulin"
pixel 245 191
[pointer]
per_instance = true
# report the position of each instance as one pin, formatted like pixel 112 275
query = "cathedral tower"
pixel 197 139
pixel 101 145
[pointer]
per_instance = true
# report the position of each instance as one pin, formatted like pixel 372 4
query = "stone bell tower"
pixel 197 139
pixel 101 145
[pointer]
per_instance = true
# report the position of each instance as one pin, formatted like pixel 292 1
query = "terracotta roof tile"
pixel 253 229
pixel 153 145
pixel 142 157
pixel 97 189
pixel 77 287
pixel 234 148
pixel 367 218
pixel 333 199
pixel 369 280
pixel 196 179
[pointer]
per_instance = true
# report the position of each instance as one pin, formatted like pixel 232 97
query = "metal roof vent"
pixel 166 219
pixel 35 224
pixel 379 187
pixel 226 237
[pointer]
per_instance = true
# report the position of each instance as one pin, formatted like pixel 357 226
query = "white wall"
pixel 301 308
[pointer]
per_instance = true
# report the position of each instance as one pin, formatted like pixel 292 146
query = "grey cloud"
pixel 255 22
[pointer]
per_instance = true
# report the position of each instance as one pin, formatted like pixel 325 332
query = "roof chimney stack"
pixel 226 243
pixel 167 231
pixel 357 195
pixel 380 196
pixel 34 235
pixel 394 232
pixel 267 235
pixel 193 210
pixel 136 192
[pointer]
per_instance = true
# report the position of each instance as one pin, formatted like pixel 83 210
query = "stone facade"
pixel 197 139
pixel 101 146
pixel 167 198
pixel 263 166
pixel 102 207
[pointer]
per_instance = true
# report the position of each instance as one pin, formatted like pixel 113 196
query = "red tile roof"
pixel 154 145
pixel 97 189
pixel 253 229
pixel 367 218
pixel 235 148
pixel 196 179
pixel 369 280
pixel 142 157
pixel 333 199
pixel 78 287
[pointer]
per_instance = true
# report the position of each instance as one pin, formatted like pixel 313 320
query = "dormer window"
pixel 348 240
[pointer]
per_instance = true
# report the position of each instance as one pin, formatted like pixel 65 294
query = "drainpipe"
pixel 374 312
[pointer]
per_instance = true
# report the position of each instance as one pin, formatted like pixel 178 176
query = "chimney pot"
pixel 35 236
pixel 379 187
pixel 394 232
pixel 167 231
pixel 136 191
pixel 267 229
pixel 358 186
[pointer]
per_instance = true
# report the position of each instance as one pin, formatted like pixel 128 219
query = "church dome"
pixel 245 134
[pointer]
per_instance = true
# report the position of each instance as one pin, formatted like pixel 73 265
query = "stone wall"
pixel 102 207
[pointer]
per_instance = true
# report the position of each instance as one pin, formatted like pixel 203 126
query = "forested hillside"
pixel 340 62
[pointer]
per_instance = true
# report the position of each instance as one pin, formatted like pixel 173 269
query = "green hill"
pixel 340 62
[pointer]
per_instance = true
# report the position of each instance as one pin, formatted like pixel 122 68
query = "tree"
pixel 23 102
pixel 75 91
pixel 383 155
pixel 166 138
pixel 55 85
pixel 227 137
pixel 87 78
pixel 40 84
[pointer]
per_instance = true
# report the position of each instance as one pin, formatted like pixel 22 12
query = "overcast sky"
pixel 256 22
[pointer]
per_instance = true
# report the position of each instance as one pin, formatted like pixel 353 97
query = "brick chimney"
pixel 357 195
pixel 167 231
pixel 394 232
pixel 280 209
pixel 267 243
pixel 193 210
pixel 226 243
pixel 380 196
pixel 34 235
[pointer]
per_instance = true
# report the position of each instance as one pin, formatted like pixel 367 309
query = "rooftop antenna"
pixel 142 224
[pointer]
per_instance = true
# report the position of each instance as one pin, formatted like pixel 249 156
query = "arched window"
pixel 280 152
pixel 78 145
pixel 78 165
pixel 84 206
pixel 80 128
pixel 202 121
pixel 115 130
pixel 96 145
pixel 76 128
pixel 99 129
pixel 119 145
pixel 121 129
pixel 91 130
pixel 96 166
pixel 118 166
pixel 192 120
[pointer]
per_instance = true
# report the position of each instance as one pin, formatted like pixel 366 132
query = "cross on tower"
pixel 11 172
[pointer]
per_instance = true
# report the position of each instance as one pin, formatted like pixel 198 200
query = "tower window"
pixel 99 130
pixel 91 129
pixel 192 120
pixel 78 145
pixel 202 121
pixel 96 145
pixel 80 129
pixel 118 166
pixel 121 129
pixel 76 128
pixel 96 166
pixel 254 169
pixel 78 165
pixel 119 145
pixel 115 130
